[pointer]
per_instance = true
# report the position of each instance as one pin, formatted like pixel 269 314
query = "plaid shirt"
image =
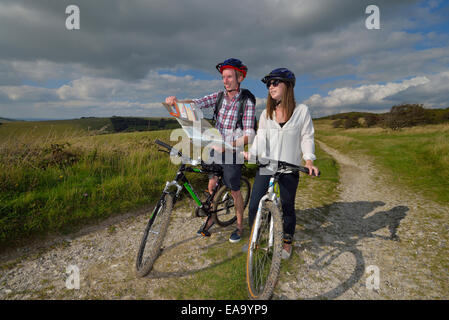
pixel 228 114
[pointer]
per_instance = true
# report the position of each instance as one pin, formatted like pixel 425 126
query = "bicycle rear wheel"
pixel 224 203
pixel 264 254
pixel 153 235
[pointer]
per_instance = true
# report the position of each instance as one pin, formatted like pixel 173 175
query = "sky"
pixel 127 56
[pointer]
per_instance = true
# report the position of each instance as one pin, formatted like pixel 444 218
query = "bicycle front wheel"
pixel 264 253
pixel 223 204
pixel 153 235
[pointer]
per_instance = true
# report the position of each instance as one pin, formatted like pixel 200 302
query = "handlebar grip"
pixel 283 163
pixel 306 170
pixel 163 144
pixel 169 147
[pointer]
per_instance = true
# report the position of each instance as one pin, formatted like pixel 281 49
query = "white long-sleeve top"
pixel 289 143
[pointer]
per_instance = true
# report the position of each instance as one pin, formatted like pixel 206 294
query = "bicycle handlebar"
pixel 172 150
pixel 286 165
pixel 281 164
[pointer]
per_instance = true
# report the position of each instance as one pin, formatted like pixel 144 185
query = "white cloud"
pixel 434 93
pixel 365 96
pixel 104 96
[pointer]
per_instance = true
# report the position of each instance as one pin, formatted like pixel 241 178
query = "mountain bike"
pixel 265 243
pixel 218 206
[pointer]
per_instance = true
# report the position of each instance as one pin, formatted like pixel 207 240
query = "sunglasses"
pixel 274 82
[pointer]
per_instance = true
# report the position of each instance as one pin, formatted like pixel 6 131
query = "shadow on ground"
pixel 334 229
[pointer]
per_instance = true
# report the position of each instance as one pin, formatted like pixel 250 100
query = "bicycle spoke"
pixel 224 206
pixel 262 255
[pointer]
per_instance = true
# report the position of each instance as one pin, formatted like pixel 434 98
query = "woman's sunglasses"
pixel 274 82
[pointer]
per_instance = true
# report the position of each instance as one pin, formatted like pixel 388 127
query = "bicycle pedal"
pixel 205 233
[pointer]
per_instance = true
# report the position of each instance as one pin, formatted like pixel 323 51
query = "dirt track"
pixel 372 224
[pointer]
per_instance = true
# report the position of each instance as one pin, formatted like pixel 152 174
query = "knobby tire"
pixel 153 236
pixel 263 263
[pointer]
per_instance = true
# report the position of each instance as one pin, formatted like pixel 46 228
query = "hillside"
pixel 89 125
pixel 6 120
pixel 400 116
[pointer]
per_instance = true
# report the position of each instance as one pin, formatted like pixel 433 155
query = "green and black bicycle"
pixel 217 206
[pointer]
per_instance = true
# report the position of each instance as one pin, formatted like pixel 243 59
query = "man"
pixel 236 128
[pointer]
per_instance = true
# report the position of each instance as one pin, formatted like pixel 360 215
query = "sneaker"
pixel 285 254
pixel 235 237
pixel 288 239
pixel 204 233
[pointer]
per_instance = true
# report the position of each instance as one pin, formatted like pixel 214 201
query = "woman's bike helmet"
pixel 232 63
pixel 282 74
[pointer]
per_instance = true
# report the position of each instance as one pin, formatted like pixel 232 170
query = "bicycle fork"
pixel 270 196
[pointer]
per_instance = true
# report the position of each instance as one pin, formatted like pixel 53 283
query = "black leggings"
pixel 287 185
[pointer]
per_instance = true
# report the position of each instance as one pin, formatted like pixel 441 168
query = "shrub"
pixel 337 123
pixel 56 155
pixel 371 120
pixel 352 122
pixel 405 115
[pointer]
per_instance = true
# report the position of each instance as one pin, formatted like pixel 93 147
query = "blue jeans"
pixel 288 183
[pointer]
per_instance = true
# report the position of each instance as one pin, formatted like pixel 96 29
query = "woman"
pixel 285 133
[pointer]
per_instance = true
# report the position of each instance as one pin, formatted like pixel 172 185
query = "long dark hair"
pixel 287 100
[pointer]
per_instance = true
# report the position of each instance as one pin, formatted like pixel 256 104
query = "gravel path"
pixel 105 257
pixel 372 225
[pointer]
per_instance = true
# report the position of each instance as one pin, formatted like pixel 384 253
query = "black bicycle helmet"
pixel 232 63
pixel 282 74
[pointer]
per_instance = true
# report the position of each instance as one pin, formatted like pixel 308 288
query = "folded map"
pixel 192 121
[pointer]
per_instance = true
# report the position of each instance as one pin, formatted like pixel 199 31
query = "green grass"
pixel 417 157
pixel 85 178
pixel 321 190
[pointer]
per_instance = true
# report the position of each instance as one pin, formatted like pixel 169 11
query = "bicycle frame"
pixel 181 181
pixel 271 195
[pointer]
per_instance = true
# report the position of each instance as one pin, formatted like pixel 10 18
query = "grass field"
pixel 56 183
pixel 417 157
pixel 26 130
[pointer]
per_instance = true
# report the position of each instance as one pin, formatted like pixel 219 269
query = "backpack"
pixel 246 94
